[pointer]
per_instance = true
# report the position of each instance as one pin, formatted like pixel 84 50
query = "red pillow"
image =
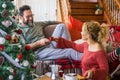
pixel 118 28
pixel 75 27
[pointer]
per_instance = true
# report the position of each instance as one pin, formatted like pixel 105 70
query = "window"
pixel 43 10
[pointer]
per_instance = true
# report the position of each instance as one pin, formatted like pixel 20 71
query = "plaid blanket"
pixel 68 63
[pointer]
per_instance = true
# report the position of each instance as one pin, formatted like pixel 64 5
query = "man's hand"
pixel 89 74
pixel 43 42
pixel 39 43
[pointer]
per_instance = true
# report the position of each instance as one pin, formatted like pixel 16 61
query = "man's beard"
pixel 30 24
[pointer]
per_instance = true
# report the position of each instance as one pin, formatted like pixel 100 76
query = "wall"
pixel 43 10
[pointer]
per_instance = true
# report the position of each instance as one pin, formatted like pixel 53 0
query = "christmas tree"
pixel 16 57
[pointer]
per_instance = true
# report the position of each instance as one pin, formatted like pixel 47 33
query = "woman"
pixel 94 59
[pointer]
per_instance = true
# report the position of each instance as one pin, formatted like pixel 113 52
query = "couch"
pixel 67 65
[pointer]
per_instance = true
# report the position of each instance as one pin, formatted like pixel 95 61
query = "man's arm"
pixel 39 43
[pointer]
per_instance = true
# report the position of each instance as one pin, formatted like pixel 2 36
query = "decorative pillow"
pixel 75 27
pixel 114 38
pixel 118 28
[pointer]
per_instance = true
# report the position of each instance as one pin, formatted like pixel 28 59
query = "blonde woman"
pixel 94 58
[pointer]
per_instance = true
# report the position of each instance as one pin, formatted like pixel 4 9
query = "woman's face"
pixel 84 33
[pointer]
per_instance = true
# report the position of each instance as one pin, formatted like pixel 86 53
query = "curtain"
pixel 63 10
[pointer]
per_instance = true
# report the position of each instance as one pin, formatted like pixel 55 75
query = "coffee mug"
pixel 70 76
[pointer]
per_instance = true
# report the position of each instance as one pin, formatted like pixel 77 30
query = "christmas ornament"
pixel 13 17
pixel 17 60
pixel 19 46
pixel 15 38
pixel 14 72
pixel 2 47
pixel 8 37
pixel 5 13
pixel 10 77
pixel 28 47
pixel 1 60
pixel 2 40
pixel 7 23
pixel 19 31
pixel 34 65
pixel 4 5
pixel 0 77
pixel 10 69
pixel 25 63
pixel 20 56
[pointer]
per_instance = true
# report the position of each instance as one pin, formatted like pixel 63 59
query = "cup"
pixel 70 76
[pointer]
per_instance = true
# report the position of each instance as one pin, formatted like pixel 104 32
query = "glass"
pixel 29 16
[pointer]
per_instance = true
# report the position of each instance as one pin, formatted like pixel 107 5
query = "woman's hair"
pixel 99 33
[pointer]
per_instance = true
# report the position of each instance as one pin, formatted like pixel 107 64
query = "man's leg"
pixel 61 31
pixel 52 53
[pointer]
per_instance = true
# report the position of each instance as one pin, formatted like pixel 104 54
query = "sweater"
pixel 97 61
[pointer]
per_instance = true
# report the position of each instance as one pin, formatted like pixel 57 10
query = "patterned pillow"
pixel 114 38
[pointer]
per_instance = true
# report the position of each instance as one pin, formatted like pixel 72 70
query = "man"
pixel 33 34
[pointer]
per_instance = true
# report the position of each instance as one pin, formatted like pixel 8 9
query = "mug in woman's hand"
pixel 70 76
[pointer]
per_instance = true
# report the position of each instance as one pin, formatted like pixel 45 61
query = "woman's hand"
pixel 53 39
pixel 89 74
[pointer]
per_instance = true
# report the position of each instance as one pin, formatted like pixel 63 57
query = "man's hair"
pixel 23 8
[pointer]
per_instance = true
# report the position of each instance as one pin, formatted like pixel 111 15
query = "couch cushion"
pixel 48 30
pixel 75 27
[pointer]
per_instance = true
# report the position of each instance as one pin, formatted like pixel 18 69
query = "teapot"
pixel 55 71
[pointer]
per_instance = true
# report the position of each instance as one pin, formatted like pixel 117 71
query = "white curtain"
pixel 43 10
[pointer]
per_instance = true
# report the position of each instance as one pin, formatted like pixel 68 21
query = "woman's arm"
pixel 102 61
pixel 63 43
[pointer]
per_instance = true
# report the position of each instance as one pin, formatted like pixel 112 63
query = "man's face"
pixel 27 18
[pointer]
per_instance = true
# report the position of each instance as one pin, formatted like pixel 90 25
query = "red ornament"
pixel 14 72
pixel 51 38
pixel 2 47
pixel 13 17
pixel 0 77
pixel 8 37
pixel 20 56
pixel 19 31
pixel 27 47
pixel 34 66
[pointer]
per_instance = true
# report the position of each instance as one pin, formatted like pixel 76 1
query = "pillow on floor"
pixel 75 27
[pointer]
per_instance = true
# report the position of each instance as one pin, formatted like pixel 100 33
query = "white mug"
pixel 70 76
